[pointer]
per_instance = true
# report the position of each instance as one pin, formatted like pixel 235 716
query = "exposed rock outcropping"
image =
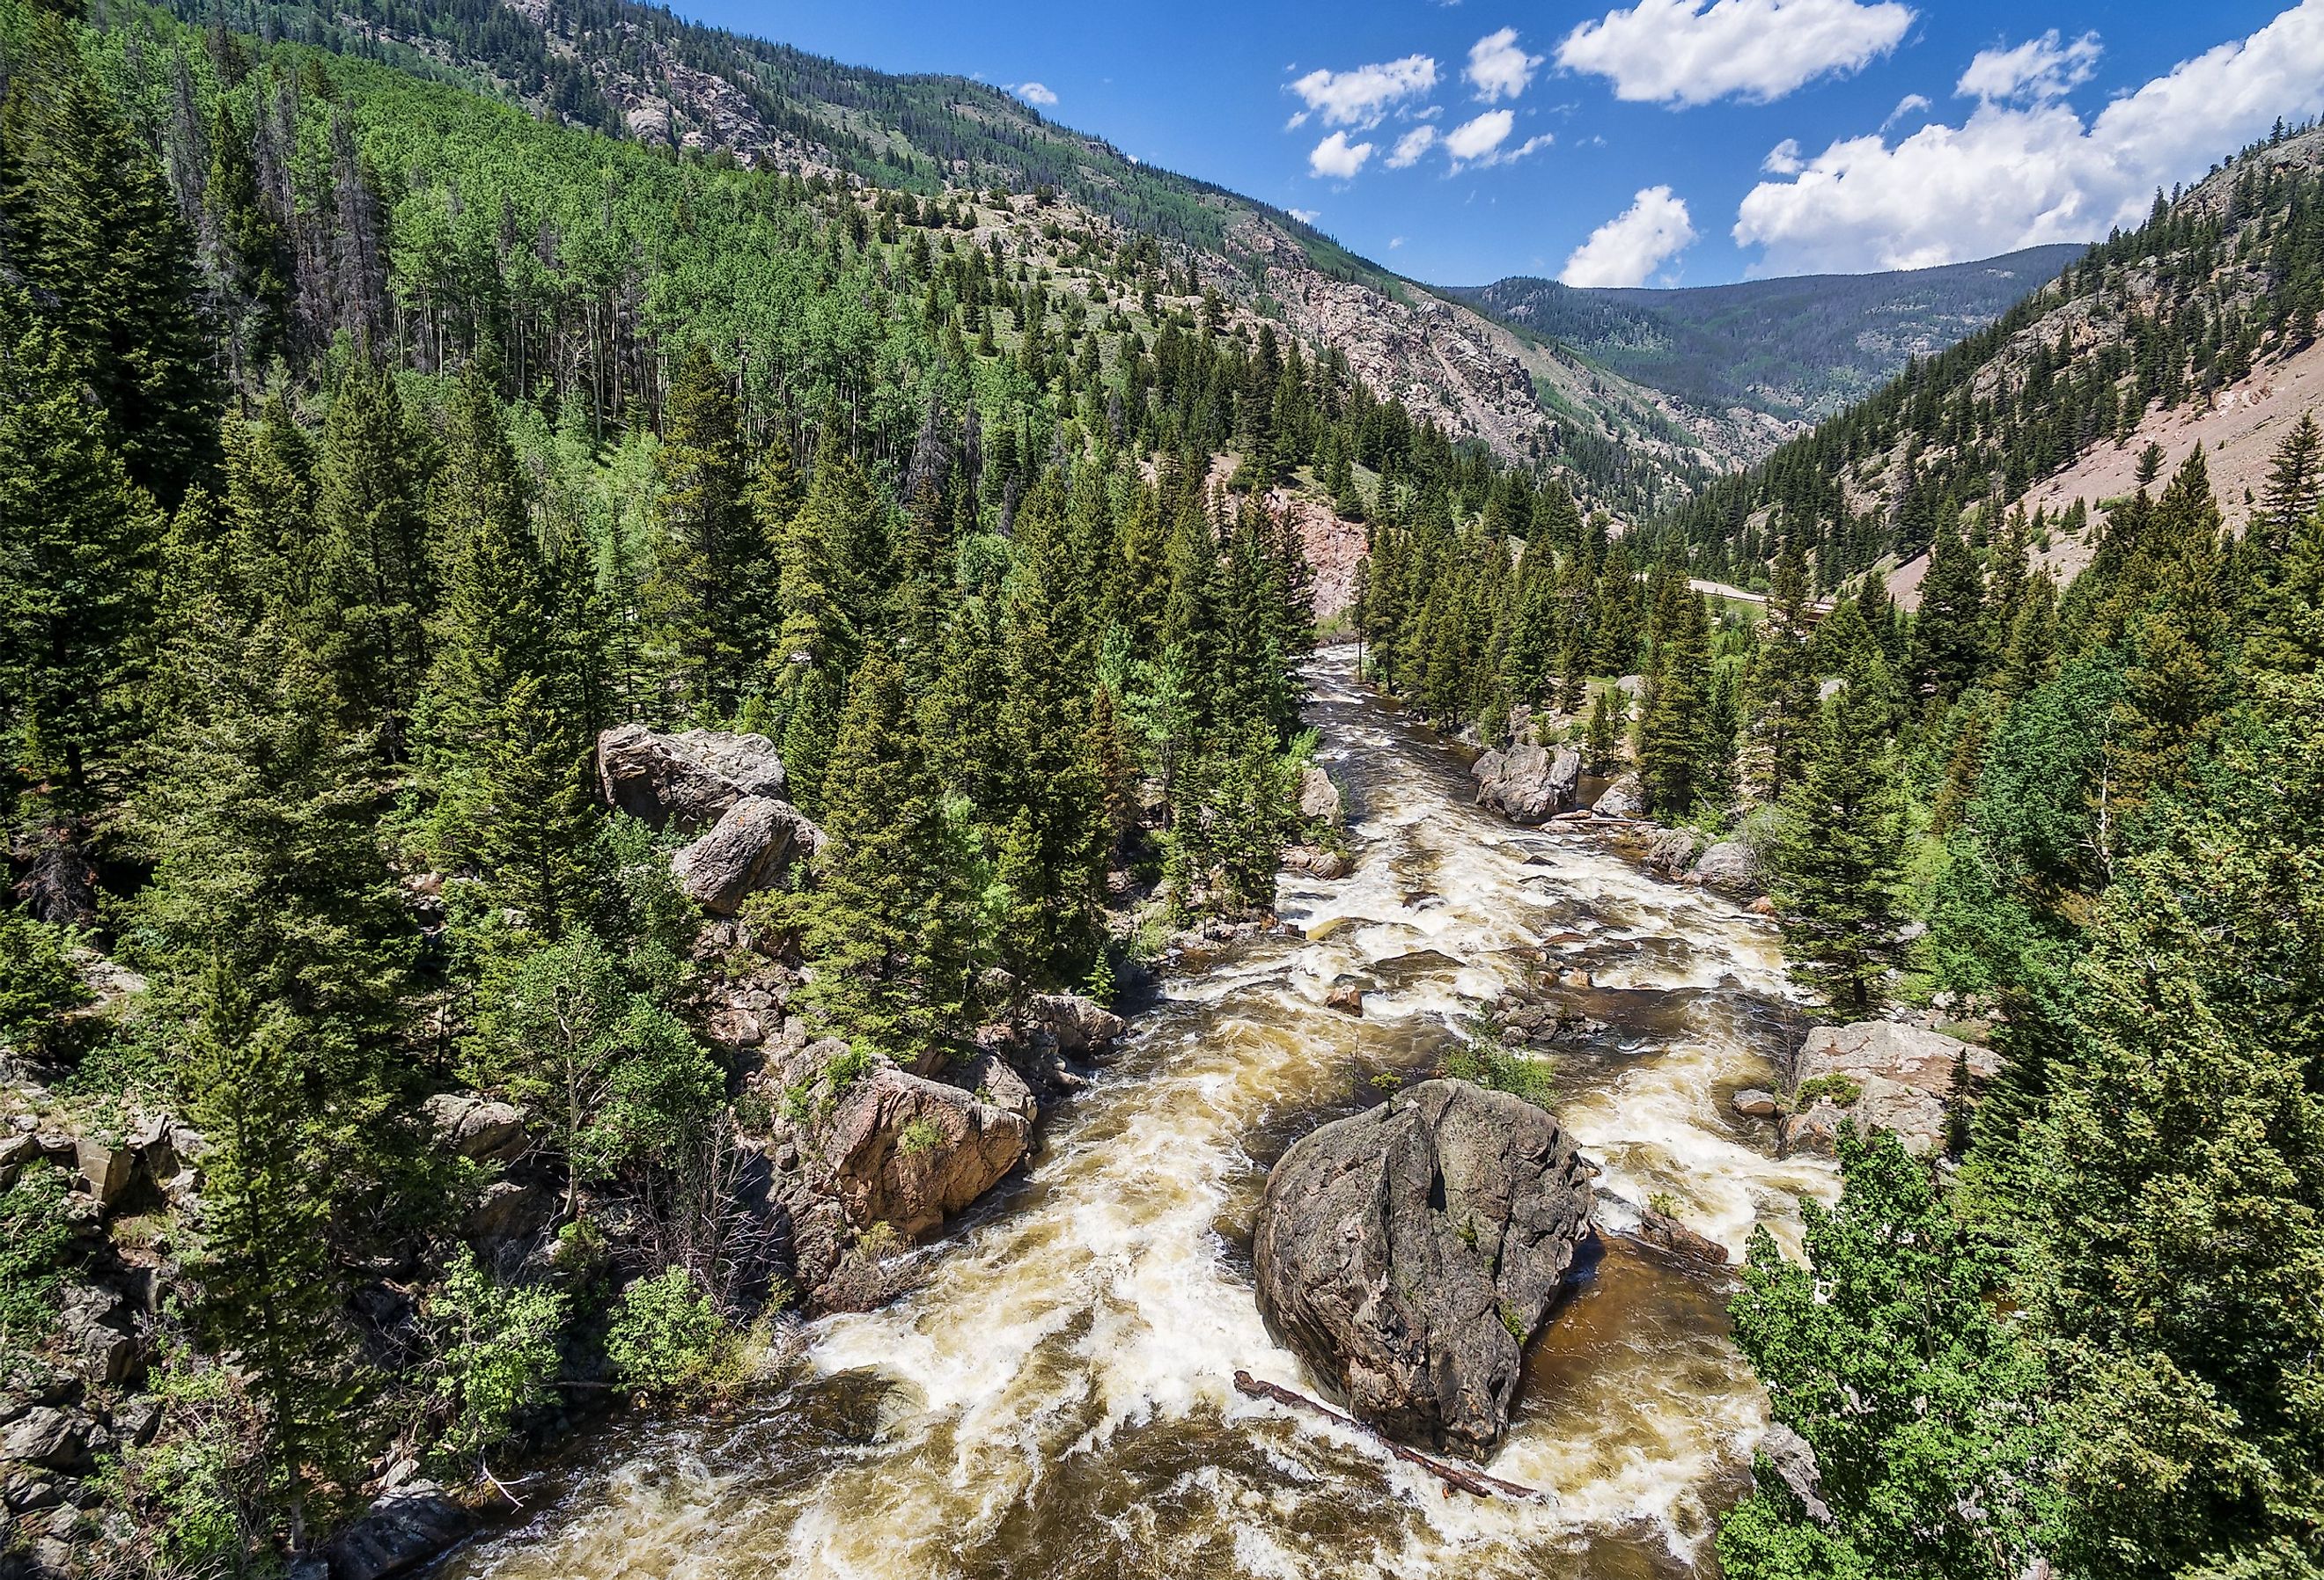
pixel 1410 1252
pixel 687 780
pixel 1882 1075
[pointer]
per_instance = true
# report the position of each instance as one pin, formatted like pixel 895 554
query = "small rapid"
pixel 1057 1400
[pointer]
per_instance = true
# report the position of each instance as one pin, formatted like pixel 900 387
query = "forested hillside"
pixel 1797 348
pixel 589 730
pixel 2226 280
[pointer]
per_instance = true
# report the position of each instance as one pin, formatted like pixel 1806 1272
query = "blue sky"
pixel 1660 141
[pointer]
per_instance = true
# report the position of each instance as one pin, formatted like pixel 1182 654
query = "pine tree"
pixel 709 595
pixel 890 923
pixel 268 1288
pixel 371 590
pixel 1674 718
pixel 1841 854
pixel 1783 703
pixel 95 238
pixel 79 551
pixel 1949 635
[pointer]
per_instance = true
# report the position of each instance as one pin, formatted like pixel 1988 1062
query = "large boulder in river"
pixel 754 846
pixel 1528 784
pixel 1408 1252
pixel 910 1152
pixel 1730 865
pixel 684 780
pixel 1879 1075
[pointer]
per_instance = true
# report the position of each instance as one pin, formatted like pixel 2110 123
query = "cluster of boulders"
pixel 1727 864
pixel 1533 785
pixel 61 1413
pixel 1409 1252
pixel 725 789
pixel 1876 1074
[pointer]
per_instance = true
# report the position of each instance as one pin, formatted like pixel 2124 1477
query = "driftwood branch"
pixel 1475 1482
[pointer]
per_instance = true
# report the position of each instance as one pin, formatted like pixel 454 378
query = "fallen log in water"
pixel 1475 1482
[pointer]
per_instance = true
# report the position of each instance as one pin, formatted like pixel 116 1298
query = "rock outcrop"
pixel 1880 1076
pixel 1528 784
pixel 684 780
pixel 1408 1252
pixel 401 1531
pixel 910 1152
pixel 753 845
pixel 1319 799
pixel 1674 850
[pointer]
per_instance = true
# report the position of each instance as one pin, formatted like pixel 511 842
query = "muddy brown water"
pixel 1057 1402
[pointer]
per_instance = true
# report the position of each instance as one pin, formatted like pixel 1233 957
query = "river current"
pixel 1057 1402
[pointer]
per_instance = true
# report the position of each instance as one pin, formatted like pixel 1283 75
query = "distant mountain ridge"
pixel 1798 349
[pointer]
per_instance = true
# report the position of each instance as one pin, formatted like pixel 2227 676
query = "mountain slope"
pixel 1796 348
pixel 2200 305
pixel 633 71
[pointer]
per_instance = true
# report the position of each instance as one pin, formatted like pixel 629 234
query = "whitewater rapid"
pixel 1057 1400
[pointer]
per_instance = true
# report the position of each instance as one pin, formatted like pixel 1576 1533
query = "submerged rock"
pixel 1410 1252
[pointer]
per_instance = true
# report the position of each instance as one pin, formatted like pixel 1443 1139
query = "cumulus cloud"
pixel 1498 68
pixel 1361 97
pixel 1472 140
pixel 1411 146
pixel 2039 68
pixel 1305 216
pixel 1911 104
pixel 2019 173
pixel 1782 159
pixel 1685 52
pixel 1634 244
pixel 1034 93
pixel 1335 158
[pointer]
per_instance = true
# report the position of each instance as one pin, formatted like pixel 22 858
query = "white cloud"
pixel 1034 93
pixel 1474 140
pixel 1360 98
pixel 1911 104
pixel 1394 242
pixel 1304 216
pixel 1334 157
pixel 1782 159
pixel 1682 52
pixel 2037 69
pixel 2017 174
pixel 1411 146
pixel 1498 68
pixel 1634 244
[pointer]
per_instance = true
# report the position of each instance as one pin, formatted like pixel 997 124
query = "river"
pixel 1057 1401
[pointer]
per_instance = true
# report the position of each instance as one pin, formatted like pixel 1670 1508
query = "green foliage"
pixel 496 1355
pixel 1923 1404
pixel 36 1242
pixel 666 1335
pixel 917 1137
pixel 38 980
pixel 1843 1090
pixel 1483 1059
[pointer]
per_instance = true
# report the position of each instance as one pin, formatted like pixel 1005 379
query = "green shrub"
pixel 34 1242
pixel 918 1136
pixel 1843 1090
pixel 1483 1059
pixel 665 1335
pixel 1663 1202
pixel 38 982
pixel 496 1353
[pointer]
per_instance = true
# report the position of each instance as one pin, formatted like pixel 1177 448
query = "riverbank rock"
pixel 1408 1252
pixel 1674 850
pixel 1730 865
pixel 1319 799
pixel 910 1152
pixel 1753 1103
pixel 1316 862
pixel 1528 784
pixel 1667 1234
pixel 687 780
pixel 753 845
pixel 400 1531
pixel 1626 796
pixel 1881 1075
